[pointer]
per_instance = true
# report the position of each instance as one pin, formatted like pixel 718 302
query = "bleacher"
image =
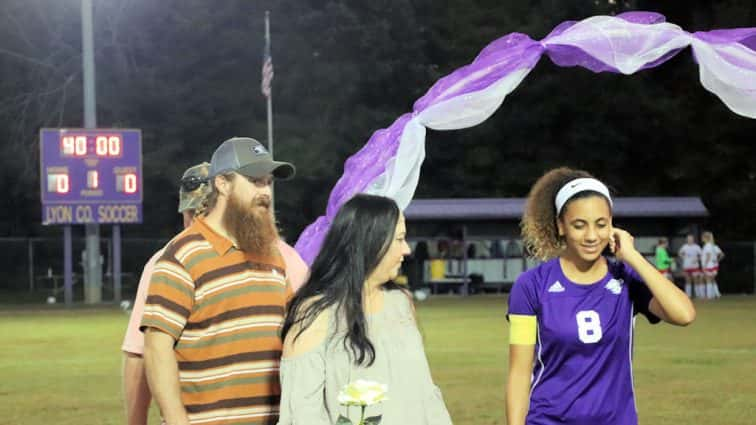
pixel 473 245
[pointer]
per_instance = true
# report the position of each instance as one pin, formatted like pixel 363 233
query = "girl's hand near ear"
pixel 622 244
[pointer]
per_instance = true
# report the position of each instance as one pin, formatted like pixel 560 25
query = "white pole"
pixel 270 103
pixel 270 97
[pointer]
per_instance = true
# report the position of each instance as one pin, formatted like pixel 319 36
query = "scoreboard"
pixel 91 176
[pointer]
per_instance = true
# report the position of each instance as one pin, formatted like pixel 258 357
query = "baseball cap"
pixel 194 187
pixel 248 157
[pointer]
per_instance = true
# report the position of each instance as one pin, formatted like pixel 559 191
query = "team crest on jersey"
pixel 614 286
pixel 556 287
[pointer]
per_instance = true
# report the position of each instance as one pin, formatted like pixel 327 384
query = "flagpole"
pixel 269 96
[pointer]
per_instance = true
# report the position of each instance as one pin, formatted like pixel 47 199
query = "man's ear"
pixel 222 184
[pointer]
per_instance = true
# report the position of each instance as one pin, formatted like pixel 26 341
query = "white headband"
pixel 573 187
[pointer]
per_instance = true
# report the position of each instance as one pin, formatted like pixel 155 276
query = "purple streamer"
pixel 496 61
pixel 641 17
pixel 569 56
pixel 367 164
pixel 500 57
pixel 743 36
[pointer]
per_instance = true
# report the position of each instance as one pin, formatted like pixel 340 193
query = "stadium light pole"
pixel 92 266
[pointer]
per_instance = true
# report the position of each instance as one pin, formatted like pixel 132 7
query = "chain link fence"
pixel 32 268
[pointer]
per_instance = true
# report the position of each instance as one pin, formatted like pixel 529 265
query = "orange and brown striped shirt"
pixel 225 309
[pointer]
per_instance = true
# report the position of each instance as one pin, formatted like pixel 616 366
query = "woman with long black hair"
pixel 350 322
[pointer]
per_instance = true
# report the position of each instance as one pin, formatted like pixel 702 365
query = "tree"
pixel 188 72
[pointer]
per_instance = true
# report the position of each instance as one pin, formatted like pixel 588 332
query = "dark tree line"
pixel 187 73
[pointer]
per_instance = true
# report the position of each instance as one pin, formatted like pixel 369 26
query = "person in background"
pixel 711 255
pixel 663 261
pixel 137 397
pixel 690 255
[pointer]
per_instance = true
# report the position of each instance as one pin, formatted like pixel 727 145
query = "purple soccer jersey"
pixel 582 373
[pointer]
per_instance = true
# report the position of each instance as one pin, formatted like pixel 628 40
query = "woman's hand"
pixel 669 303
pixel 622 244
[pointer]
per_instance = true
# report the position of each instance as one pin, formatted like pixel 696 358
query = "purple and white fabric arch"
pixel 389 163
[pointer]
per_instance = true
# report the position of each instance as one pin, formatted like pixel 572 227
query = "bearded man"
pixel 216 300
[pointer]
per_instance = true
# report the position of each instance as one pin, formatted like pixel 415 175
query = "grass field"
pixel 63 367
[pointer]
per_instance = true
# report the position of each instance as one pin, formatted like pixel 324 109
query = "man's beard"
pixel 252 226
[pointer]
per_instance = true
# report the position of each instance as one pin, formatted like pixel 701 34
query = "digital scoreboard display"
pixel 91 176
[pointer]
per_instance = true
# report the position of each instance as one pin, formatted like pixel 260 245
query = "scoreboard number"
pixel 99 146
pixel 126 183
pixel 58 183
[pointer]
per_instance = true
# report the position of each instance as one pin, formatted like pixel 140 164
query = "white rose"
pixel 362 393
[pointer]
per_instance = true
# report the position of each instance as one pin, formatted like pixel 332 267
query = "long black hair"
pixel 359 237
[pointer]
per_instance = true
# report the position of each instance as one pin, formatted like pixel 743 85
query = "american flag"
pixel 267 70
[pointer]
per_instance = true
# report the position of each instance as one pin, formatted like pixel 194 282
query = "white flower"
pixel 362 393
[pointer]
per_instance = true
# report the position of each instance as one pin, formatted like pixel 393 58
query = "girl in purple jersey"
pixel 572 317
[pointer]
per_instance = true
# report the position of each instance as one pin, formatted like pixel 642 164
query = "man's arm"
pixel 135 389
pixel 136 392
pixel 162 374
pixel 297 270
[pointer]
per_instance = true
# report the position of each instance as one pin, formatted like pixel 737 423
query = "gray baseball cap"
pixel 248 157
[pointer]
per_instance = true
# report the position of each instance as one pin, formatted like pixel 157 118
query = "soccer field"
pixel 63 367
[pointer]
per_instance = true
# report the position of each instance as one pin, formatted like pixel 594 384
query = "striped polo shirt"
pixel 225 308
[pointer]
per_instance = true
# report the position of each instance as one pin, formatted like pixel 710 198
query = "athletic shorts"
pixel 693 272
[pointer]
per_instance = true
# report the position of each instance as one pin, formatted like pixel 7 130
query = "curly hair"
pixel 540 233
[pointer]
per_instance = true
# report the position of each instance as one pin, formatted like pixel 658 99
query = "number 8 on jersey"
pixel 589 326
